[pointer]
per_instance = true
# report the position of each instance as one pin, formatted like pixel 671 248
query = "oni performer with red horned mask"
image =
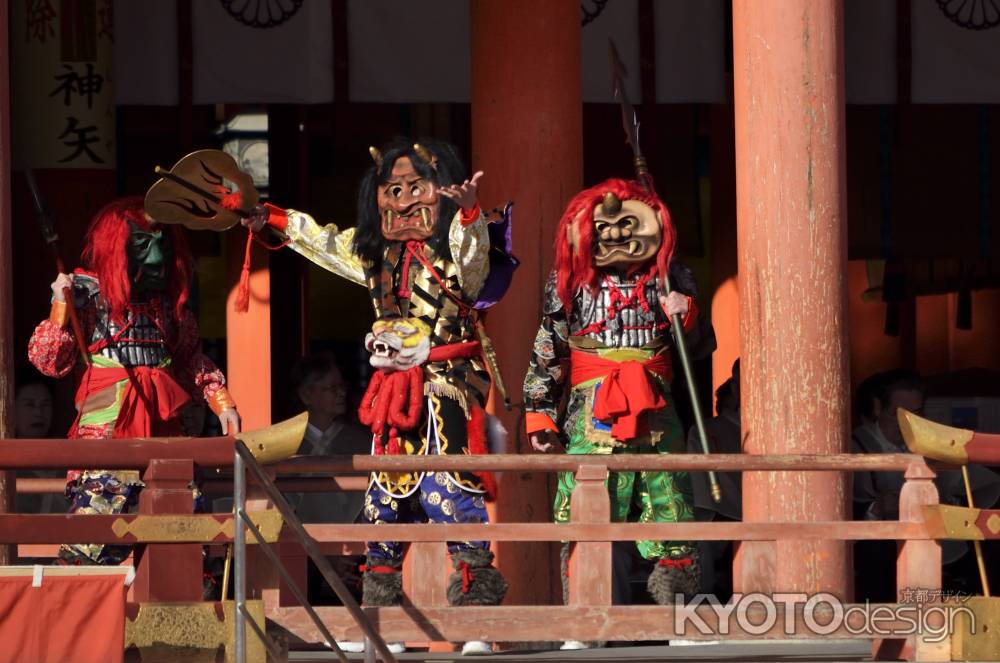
pixel 604 345
pixel 431 261
pixel 144 361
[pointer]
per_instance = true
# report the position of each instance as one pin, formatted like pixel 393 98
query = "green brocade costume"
pixel 635 496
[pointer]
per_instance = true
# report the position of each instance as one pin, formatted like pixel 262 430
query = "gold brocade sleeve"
pixel 470 249
pixel 326 246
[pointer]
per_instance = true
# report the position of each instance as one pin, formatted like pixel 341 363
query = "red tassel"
pixel 463 567
pixel 242 304
pixel 230 200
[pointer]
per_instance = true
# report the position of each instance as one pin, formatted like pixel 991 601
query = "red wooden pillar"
pixel 248 335
pixel 792 237
pixel 6 287
pixel 527 136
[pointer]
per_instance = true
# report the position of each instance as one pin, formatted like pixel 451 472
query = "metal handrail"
pixel 245 460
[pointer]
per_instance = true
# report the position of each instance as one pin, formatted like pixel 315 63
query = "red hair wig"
pixel 105 255
pixel 575 236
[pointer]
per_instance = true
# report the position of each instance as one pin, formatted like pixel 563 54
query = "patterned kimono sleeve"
pixel 545 381
pixel 52 348
pixel 469 240
pixel 326 246
pixel 194 371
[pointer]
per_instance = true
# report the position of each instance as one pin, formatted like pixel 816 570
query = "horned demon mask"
pixel 408 202
pixel 616 225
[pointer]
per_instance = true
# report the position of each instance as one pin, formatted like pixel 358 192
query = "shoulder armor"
pixel 550 299
pixel 85 288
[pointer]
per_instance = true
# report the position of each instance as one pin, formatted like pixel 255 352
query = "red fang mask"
pixel 626 233
pixel 408 204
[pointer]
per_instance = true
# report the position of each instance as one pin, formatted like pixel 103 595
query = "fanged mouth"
pixel 383 349
pixel 632 247
pixel 419 218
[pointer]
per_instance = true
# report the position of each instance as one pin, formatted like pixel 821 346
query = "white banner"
pixel 870 51
pixel 952 64
pixel 618 21
pixel 146 52
pixel 406 51
pixel 690 51
pixel 290 63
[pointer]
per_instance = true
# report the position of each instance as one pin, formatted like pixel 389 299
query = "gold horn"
pixel 611 204
pixel 376 155
pixel 276 442
pixel 425 155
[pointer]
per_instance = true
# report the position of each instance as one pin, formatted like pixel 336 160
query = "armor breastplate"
pixel 139 342
pixel 631 326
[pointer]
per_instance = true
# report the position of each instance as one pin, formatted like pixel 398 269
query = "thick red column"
pixel 6 285
pixel 527 137
pixel 792 237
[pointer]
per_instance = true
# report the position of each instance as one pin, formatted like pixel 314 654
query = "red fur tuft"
pixel 476 437
pixel 105 255
pixel 574 264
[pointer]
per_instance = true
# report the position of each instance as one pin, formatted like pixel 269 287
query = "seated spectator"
pixel 319 387
pixel 33 414
pixel 32 405
pixel 876 494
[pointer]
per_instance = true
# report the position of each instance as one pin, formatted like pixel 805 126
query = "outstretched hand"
pixel 465 193
pixel 230 420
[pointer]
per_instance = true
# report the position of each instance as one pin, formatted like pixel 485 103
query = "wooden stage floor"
pixel 826 651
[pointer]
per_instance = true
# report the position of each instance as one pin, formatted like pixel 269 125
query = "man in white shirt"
pixel 321 388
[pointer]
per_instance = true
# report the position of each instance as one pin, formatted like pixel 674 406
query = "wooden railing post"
pixel 168 571
pixel 590 562
pixel 918 567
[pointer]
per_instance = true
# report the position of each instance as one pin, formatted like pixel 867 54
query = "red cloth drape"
pixel 627 390
pixel 150 391
pixel 68 618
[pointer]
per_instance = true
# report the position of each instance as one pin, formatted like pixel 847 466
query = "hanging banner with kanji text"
pixel 62 92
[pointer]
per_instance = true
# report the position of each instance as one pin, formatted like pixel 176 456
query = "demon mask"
pixel 408 203
pixel 149 254
pixel 626 233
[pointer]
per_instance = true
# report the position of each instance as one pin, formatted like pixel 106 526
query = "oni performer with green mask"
pixel 143 363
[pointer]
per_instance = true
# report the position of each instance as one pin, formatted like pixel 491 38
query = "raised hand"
pixel 465 193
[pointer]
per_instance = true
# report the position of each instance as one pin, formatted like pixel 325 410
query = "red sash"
pixel 627 389
pixel 149 391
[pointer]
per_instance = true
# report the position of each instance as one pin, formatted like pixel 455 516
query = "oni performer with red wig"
pixel 605 339
pixel 144 361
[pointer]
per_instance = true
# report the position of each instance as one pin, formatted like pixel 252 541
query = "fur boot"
pixel 675 575
pixel 475 581
pixel 382 583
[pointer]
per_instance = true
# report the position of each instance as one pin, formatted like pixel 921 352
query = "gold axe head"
pixel 276 442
